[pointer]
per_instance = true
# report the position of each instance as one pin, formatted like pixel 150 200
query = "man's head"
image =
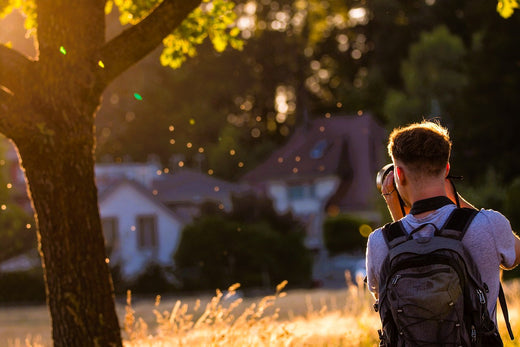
pixel 424 148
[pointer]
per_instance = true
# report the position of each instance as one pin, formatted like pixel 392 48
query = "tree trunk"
pixel 47 108
pixel 60 176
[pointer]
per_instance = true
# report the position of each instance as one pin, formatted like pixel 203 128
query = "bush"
pixel 512 203
pixel 22 287
pixel 15 238
pixel 342 234
pixel 154 279
pixel 250 245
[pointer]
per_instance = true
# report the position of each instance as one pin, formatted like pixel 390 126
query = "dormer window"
pixel 318 151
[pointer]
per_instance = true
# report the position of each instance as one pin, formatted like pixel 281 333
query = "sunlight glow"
pixel 357 13
pixel 284 103
pixel 357 16
pixel 250 7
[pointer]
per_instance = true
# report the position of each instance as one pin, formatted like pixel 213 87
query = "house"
pixel 327 166
pixel 185 190
pixel 143 210
pixel 138 228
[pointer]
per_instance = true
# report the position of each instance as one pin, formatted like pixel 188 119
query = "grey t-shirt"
pixel 489 239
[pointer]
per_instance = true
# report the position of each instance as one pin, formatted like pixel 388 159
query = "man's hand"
pixel 391 196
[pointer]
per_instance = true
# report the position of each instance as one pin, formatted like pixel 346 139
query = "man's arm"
pixel 517 254
pixel 463 203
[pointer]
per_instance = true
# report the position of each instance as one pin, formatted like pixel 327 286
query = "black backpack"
pixel 430 291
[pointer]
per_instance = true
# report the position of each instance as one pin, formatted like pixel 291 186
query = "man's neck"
pixel 427 192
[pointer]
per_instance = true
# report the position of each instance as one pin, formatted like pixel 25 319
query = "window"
pixel 298 192
pixel 147 232
pixel 318 151
pixel 110 228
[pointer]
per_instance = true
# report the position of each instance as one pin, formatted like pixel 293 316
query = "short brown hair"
pixel 424 147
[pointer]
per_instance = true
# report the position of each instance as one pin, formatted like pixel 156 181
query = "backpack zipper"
pixel 397 277
pixel 481 296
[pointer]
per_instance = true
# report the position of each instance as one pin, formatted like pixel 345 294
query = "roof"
pixel 143 191
pixel 325 146
pixel 191 185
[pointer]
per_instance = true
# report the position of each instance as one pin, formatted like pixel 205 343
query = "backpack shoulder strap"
pixel 457 223
pixel 455 227
pixel 503 305
pixel 394 234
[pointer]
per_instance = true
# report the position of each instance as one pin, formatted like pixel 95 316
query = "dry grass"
pixel 299 318
pixel 317 320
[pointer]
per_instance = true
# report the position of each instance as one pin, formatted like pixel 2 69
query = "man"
pixel 420 154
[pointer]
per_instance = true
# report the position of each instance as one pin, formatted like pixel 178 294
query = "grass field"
pixel 296 318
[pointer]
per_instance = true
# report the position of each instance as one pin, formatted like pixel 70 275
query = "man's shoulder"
pixel 376 238
pixel 491 218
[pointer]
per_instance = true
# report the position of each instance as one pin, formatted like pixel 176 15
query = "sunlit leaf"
pixel 506 7
pixel 27 7
pixel 214 20
pixel 132 11
pixel 4 7
pixel 109 5
pixel 324 17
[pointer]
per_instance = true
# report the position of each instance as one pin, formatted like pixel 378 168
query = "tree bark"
pixel 80 297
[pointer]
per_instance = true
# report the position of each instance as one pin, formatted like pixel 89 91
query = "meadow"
pixel 320 317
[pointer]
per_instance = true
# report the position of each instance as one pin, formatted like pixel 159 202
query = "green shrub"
pixel 250 245
pixel 15 238
pixel 153 280
pixel 342 234
pixel 512 203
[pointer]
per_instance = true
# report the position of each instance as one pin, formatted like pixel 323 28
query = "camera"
pixel 382 173
pixel 380 178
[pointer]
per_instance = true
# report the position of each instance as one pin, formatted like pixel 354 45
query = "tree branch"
pixel 13 68
pixel 138 41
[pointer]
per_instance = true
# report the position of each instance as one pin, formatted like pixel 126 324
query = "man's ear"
pixel 400 174
pixel 447 170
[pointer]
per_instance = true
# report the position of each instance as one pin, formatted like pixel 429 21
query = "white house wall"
pixel 312 207
pixel 323 188
pixel 277 191
pixel 126 205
